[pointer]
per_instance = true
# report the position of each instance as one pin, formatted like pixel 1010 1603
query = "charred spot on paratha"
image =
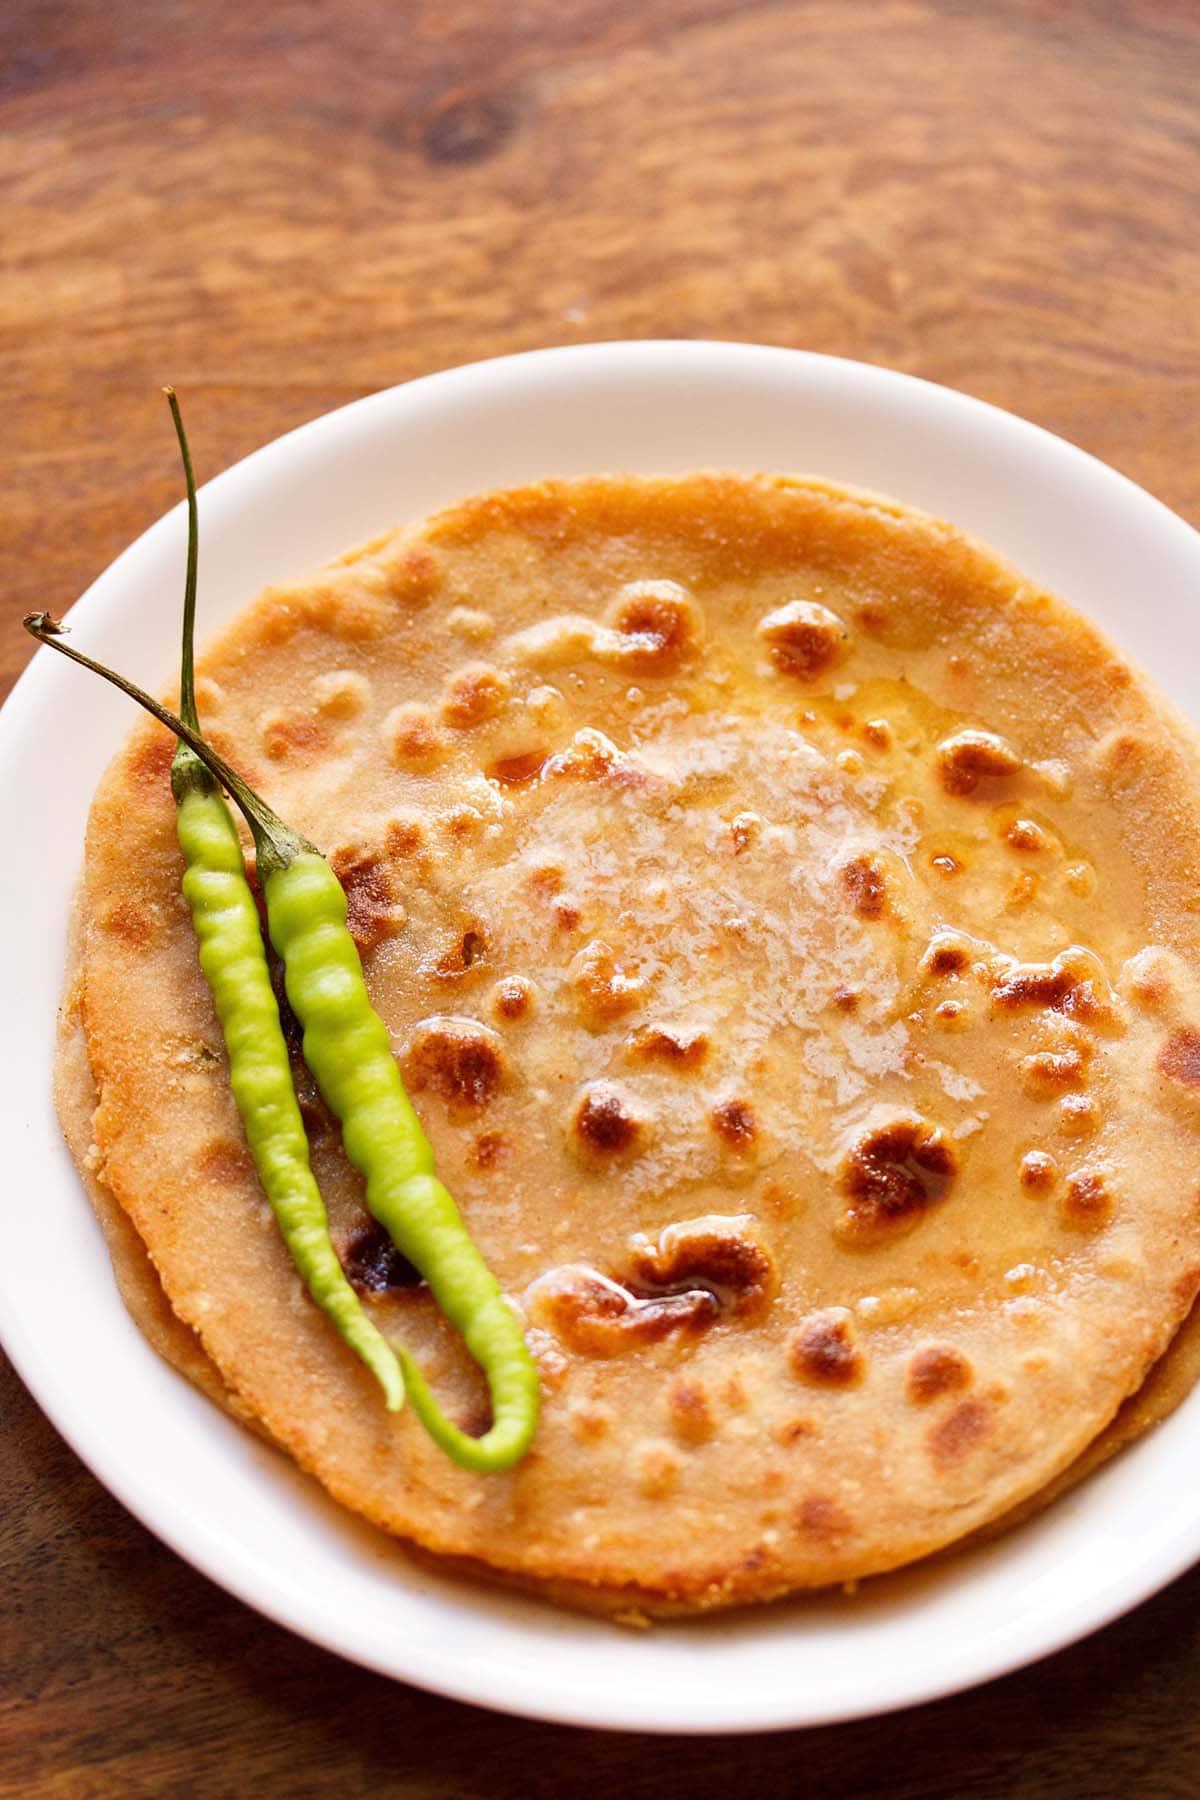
pixel 972 760
pixel 594 1315
pixel 1079 1116
pixel 1151 977
pixel 296 737
pixel 936 1369
pixel 864 885
pixel 1038 1172
pixel 1088 1200
pixel 953 1438
pixel 1122 757
pixel 656 1468
pixel 697 1271
pixel 689 1410
pixel 659 626
pixel 735 1123
pixel 891 1175
pixel 413 736
pixel 474 694
pixel 605 1125
pixel 150 766
pixel 489 1148
pixel 803 639
pixel 795 1429
pixel 546 879
pixel 342 693
pixel 592 757
pixel 372 911
pixel 413 573
pixel 462 1061
pixel 404 837
pixel 950 953
pixel 674 1046
pixel 1179 1058
pixel 567 914
pixel 1047 1073
pixel 1073 983
pixel 1027 836
pixel 372 1263
pixel 513 998
pixel 225 1160
pixel 603 987
pixel 825 1351
pixel 134 924
pixel 822 1518
pixel 465 954
pixel 725 1252
pixel 874 617
pixel 520 769
pixel 461 825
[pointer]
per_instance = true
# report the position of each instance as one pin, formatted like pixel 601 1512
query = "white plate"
pixel 239 1511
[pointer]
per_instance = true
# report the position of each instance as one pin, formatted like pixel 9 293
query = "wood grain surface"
pixel 282 206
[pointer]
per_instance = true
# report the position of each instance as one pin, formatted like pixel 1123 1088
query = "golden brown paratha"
pixel 785 918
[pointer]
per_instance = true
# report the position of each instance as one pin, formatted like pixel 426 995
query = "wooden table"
pixel 285 205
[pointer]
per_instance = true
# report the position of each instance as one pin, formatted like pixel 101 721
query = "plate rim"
pixel 211 1554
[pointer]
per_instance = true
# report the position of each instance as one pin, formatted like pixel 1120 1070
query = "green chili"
pixel 347 1048
pixel 234 962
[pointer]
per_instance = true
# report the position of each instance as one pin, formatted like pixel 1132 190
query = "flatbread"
pixel 784 915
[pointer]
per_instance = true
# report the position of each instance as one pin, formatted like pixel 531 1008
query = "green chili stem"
pixel 276 843
pixel 187 674
pixel 188 773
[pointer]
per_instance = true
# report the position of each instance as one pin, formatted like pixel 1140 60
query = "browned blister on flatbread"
pixel 784 915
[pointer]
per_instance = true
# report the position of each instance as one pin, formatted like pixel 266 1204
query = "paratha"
pixel 785 916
